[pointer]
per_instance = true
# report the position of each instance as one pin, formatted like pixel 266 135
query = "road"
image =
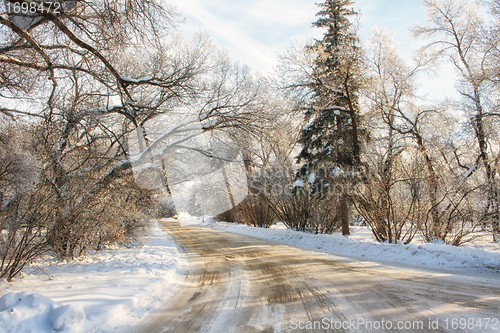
pixel 241 284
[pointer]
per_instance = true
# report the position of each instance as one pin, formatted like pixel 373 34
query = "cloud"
pixel 253 32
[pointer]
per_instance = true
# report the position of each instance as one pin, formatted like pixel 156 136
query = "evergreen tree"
pixel 331 145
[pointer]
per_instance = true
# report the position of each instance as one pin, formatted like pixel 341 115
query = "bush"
pixel 306 213
pixel 228 216
pixel 255 211
pixel 23 236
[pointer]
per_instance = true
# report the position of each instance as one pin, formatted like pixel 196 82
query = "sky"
pixel 255 32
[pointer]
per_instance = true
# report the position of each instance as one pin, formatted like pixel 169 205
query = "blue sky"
pixel 254 32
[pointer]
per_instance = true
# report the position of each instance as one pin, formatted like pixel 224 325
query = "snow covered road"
pixel 240 284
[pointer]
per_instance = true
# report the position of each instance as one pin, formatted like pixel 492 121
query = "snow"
pixel 112 290
pixel 337 172
pixel 308 127
pixel 110 108
pixel 20 312
pixel 312 178
pixel 141 80
pixel 434 256
pixel 471 169
pixel 108 291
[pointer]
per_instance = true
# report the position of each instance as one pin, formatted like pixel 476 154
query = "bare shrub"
pixel 305 213
pixel 299 209
pixel 228 216
pixel 391 201
pixel 255 211
pixel 24 240
pixel 25 209
pixel 116 214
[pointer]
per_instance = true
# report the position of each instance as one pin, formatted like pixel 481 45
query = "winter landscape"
pixel 266 166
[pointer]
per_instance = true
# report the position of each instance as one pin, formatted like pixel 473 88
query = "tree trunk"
pixel 344 214
pixel 493 195
pixel 432 181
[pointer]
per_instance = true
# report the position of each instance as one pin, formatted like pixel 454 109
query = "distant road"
pixel 241 284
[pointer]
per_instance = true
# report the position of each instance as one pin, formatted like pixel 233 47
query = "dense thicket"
pixel 73 86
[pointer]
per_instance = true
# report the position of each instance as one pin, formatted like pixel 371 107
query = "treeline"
pixel 337 135
pixel 73 85
pixel 371 149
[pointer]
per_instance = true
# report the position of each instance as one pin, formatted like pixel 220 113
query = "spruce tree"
pixel 330 142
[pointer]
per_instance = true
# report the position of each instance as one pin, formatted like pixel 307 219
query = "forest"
pixel 107 109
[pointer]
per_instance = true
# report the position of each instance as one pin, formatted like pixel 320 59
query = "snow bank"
pixel 108 291
pixel 424 255
pixel 20 312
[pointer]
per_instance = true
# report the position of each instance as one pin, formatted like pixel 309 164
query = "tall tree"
pixel 460 33
pixel 331 141
pixel 87 78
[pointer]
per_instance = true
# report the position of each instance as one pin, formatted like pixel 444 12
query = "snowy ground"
pixel 111 290
pixel 107 291
pixel 361 245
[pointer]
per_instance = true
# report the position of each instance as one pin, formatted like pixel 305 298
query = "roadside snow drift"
pixel 425 255
pixel 20 312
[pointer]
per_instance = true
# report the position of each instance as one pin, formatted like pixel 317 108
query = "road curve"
pixel 241 284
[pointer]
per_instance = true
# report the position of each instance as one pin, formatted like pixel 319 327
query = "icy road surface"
pixel 241 284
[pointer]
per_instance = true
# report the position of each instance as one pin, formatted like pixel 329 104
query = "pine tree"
pixel 330 142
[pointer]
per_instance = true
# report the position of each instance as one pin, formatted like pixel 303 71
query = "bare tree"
pixel 88 77
pixel 459 33
pixel 398 197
